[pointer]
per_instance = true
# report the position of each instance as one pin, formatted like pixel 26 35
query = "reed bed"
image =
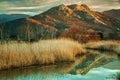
pixel 113 46
pixel 43 52
pixel 36 70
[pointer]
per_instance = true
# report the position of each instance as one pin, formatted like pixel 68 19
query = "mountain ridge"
pixel 11 17
pixel 115 13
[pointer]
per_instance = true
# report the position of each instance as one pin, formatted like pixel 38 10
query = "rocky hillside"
pixel 113 13
pixel 58 19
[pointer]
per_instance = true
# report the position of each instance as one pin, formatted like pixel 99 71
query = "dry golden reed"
pixel 105 45
pixel 14 54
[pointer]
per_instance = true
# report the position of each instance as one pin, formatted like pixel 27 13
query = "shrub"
pixel 81 34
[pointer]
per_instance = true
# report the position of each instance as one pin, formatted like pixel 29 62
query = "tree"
pixel 23 32
pixel 33 32
pixel 1 30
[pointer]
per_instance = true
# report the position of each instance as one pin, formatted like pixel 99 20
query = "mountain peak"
pixel 63 7
pixel 81 7
pixel 85 6
pixel 59 10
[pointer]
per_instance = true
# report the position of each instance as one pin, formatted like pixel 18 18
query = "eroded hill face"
pixel 57 19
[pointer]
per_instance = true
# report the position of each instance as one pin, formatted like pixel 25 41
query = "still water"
pixel 93 66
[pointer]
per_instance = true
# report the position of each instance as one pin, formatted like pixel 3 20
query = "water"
pixel 93 66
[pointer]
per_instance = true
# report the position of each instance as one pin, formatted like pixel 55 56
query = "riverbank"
pixel 113 46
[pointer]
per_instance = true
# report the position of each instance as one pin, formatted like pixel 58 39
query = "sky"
pixel 33 7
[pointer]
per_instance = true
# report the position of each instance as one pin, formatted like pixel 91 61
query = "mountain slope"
pixel 113 13
pixel 57 19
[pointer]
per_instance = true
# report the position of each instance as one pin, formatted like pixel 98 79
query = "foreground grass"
pixel 105 45
pixel 14 54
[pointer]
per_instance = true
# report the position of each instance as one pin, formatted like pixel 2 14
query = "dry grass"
pixel 105 45
pixel 44 70
pixel 14 54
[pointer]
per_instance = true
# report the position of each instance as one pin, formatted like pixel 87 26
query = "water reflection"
pixel 41 71
pixel 119 58
pixel 34 71
pixel 96 59
pixel 87 65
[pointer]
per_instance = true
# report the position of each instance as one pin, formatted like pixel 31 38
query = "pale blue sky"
pixel 32 7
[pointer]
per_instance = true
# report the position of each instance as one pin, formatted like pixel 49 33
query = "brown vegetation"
pixel 81 34
pixel 14 54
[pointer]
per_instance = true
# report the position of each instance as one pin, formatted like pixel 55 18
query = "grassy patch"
pixel 105 45
pixel 14 54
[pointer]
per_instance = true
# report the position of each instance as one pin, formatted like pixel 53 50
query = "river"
pixel 95 65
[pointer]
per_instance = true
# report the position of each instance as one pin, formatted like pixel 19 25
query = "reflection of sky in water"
pixel 94 74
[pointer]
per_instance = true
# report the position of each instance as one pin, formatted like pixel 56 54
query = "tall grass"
pixel 14 54
pixel 36 70
pixel 105 45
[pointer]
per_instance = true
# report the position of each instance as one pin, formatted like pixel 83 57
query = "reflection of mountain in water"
pixel 96 59
pixel 81 66
pixel 113 65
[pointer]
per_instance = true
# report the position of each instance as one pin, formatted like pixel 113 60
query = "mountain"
pixel 56 20
pixel 10 17
pixel 113 13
